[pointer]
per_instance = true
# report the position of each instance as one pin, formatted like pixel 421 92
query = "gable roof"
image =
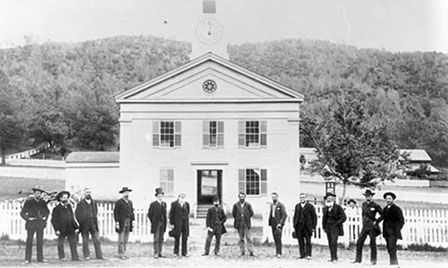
pixel 418 155
pixel 93 157
pixel 123 96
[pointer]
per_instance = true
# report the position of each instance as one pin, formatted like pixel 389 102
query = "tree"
pixel 349 147
pixel 12 123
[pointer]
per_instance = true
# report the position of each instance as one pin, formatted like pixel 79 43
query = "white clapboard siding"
pixel 422 226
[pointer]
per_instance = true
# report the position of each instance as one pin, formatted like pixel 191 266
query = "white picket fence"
pixel 422 226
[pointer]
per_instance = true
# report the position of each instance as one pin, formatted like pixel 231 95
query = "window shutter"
pixel 205 133
pixel 264 182
pixel 263 133
pixel 242 181
pixel 177 133
pixel 241 132
pixel 220 133
pixel 155 133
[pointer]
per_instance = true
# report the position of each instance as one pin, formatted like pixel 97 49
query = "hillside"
pixel 63 91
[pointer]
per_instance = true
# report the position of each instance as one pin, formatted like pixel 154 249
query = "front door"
pixel 209 185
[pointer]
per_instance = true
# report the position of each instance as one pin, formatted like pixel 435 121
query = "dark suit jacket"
pixel 122 210
pixel 279 215
pixel 63 219
pixel 216 215
pixel 179 216
pixel 393 221
pixel 157 215
pixel 369 211
pixel 305 217
pixel 334 219
pixel 242 214
pixel 87 215
pixel 35 209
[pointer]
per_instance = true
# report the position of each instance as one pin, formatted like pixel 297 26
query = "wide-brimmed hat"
pixel 368 192
pixel 391 194
pixel 61 193
pixel 351 200
pixel 329 194
pixel 159 191
pixel 125 189
pixel 38 188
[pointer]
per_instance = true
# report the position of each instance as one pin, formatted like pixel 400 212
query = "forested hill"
pixel 64 91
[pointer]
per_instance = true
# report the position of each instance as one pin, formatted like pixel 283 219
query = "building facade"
pixel 210 128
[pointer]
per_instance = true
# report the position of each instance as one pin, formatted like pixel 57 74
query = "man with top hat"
pixel 332 220
pixel 305 221
pixel 277 218
pixel 157 216
pixel 65 226
pixel 370 227
pixel 216 217
pixel 242 213
pixel 87 216
pixel 124 217
pixel 180 219
pixel 392 225
pixel 35 212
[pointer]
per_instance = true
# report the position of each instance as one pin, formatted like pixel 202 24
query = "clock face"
pixel 209 31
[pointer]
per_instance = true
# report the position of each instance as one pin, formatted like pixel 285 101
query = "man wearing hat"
pixel 87 216
pixel 332 220
pixel 65 226
pixel 157 217
pixel 216 217
pixel 35 213
pixel 392 225
pixel 123 216
pixel 180 218
pixel 370 227
pixel 305 221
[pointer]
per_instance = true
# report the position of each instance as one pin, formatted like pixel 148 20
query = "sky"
pixel 394 25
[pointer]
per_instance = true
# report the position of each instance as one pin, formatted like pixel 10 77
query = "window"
pixel 166 133
pixel 167 180
pixel 213 134
pixel 253 181
pixel 252 134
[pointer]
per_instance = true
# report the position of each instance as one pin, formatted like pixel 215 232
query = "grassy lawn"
pixel 11 186
pixel 140 254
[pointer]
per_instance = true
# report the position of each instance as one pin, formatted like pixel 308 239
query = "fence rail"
pixel 422 226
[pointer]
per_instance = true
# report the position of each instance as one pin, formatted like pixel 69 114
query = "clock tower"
pixel 209 33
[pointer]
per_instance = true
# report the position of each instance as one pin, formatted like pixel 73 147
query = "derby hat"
pixel 125 189
pixel 159 191
pixel 38 188
pixel 61 193
pixel 329 194
pixel 391 194
pixel 368 192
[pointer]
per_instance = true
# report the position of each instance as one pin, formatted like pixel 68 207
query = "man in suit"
pixel 64 224
pixel 392 225
pixel 277 218
pixel 370 227
pixel 157 216
pixel 242 213
pixel 305 221
pixel 35 213
pixel 179 217
pixel 216 217
pixel 123 216
pixel 332 220
pixel 87 216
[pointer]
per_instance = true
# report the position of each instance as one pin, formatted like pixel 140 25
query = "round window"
pixel 209 86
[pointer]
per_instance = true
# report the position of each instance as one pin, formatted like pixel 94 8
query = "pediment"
pixel 187 83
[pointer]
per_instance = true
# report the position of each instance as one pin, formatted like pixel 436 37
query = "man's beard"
pixel 88 197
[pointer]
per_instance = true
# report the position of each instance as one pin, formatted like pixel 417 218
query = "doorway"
pixel 209 185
